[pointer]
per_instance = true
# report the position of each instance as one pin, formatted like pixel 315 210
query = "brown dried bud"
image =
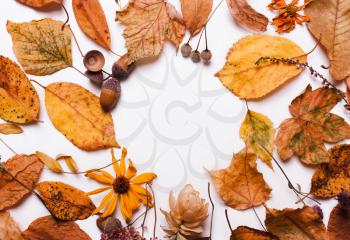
pixel 206 56
pixel 94 61
pixel 186 50
pixel 110 94
pixel 195 56
pixel 121 69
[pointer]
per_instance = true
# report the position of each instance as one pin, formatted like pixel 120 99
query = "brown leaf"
pixel 330 24
pixel 65 202
pixel 9 229
pixel 148 24
pixel 10 128
pixel 19 102
pixel 247 233
pixel 47 228
pixel 296 224
pixel 240 185
pixel 332 178
pixel 92 21
pixel 244 14
pixel 195 14
pixel 311 126
pixel 39 3
pixel 27 169
pixel 339 221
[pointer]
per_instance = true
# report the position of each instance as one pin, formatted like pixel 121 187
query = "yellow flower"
pixel 124 188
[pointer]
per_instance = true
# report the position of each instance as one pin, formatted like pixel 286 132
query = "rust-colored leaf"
pixel 9 229
pixel 10 128
pixel 339 219
pixel 247 233
pixel 39 3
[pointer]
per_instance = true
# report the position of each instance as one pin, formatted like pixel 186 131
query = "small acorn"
pixel 206 56
pixel 121 69
pixel 110 94
pixel 94 61
pixel 186 50
pixel 95 77
pixel 195 56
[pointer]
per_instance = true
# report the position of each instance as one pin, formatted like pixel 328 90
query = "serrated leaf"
pixel 10 128
pixel 51 163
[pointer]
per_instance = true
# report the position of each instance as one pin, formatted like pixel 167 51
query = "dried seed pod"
pixel 110 94
pixel 195 56
pixel 186 50
pixel 121 69
pixel 94 61
pixel 206 56
pixel 108 224
pixel 95 77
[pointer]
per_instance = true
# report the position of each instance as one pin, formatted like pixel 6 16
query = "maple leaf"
pixel 148 23
pixel 311 125
pixel 9 229
pixel 247 233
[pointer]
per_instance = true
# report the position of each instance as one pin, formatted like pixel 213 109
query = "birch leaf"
pixel 51 163
pixel 9 229
pixel 247 233
pixel 41 47
pixel 78 115
pixel 10 128
pixel 148 24
pixel 39 3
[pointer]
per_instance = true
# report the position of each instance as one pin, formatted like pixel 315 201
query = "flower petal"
pixel 134 200
pixel 144 178
pixel 106 174
pixel 139 190
pixel 122 162
pixel 115 164
pixel 111 206
pixel 99 178
pixel 104 202
pixel 124 208
pixel 99 190
pixel 131 170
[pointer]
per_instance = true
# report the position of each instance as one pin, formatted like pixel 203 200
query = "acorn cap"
pixel 94 61
pixel 121 69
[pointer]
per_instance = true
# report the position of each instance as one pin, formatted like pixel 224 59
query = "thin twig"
pixel 228 220
pixel 76 42
pixel 144 219
pixel 155 211
pixel 67 16
pixel 212 211
pixel 76 69
pixel 10 148
pixel 257 216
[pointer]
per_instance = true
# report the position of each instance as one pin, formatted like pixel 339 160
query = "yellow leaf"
pixel 247 233
pixel 72 165
pixel 9 229
pixel 51 163
pixel 78 115
pixel 19 102
pixel 247 80
pixel 10 128
pixel 41 47
pixel 258 134
pixel 148 23
pixel 39 3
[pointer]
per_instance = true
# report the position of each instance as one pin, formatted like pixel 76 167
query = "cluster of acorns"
pixel 196 56
pixel 94 62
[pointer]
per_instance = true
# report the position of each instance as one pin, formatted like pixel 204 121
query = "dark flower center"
pixel 292 9
pixel 121 185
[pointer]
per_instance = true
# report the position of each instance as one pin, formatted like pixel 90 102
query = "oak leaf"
pixel 332 178
pixel 65 202
pixel 247 233
pixel 195 14
pixel 10 128
pixel 27 169
pixel 40 3
pixel 41 46
pixel 244 14
pixel 48 228
pixel 92 21
pixel 77 113
pixel 246 79
pixel 296 224
pixel 339 221
pixel 9 229
pixel 330 24
pixel 258 134
pixel 240 185
pixel 148 24
pixel 19 101
pixel 311 126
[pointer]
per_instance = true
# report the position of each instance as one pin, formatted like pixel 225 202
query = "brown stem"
pixel 10 148
pixel 155 211
pixel 67 16
pixel 76 42
pixel 212 211
pixel 144 219
pixel 228 221
pixel 257 216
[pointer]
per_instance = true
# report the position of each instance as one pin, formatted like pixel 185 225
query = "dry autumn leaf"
pixel 247 233
pixel 65 202
pixel 27 169
pixel 258 134
pixel 244 14
pixel 92 21
pixel 78 115
pixel 296 224
pixel 339 219
pixel 148 24
pixel 40 3
pixel 195 14
pixel 332 29
pixel 332 178
pixel 41 47
pixel 246 79
pixel 240 185
pixel 19 102
pixel 10 128
pixel 311 126
pixel 9 229
pixel 72 165
pixel 51 163
pixel 47 228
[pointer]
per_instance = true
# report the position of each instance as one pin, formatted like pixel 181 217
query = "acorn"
pixel 206 56
pixel 195 56
pixel 110 94
pixel 186 50
pixel 94 61
pixel 121 69
pixel 95 77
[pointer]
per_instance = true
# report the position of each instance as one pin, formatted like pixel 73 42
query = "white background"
pixel 174 117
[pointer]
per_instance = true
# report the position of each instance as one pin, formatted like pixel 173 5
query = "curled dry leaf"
pixel 72 165
pixel 332 178
pixel 246 79
pixel 27 169
pixel 339 220
pixel 51 163
pixel 92 21
pixel 330 24
pixel 311 126
pixel 240 185
pixel 10 128
pixel 244 14
pixel 39 3
pixel 258 134
pixel 296 224
pixel 195 14
pixel 19 102
pixel 46 228
pixel 41 47
pixel 247 233
pixel 78 115
pixel 65 202
pixel 9 229
pixel 148 24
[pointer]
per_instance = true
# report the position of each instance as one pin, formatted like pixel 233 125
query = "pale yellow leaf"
pixel 10 128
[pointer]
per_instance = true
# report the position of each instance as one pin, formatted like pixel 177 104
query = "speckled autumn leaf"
pixel 78 115
pixel 240 185
pixel 296 224
pixel 47 228
pixel 39 3
pixel 27 169
pixel 41 47
pixel 258 134
pixel 65 202
pixel 247 233
pixel 19 102
pixel 9 229
pixel 92 21
pixel 148 24
pixel 10 128
pixel 339 222
pixel 246 79
pixel 311 126
pixel 332 178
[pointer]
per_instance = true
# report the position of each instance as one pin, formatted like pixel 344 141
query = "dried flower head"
pixel 123 233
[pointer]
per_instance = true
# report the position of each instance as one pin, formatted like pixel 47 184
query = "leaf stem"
pixel 67 16
pixel 76 42
pixel 145 215
pixel 155 211
pixel 8 146
pixel 212 211
pixel 257 216
pixel 228 221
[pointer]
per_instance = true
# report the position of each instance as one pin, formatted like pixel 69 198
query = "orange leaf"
pixel 39 3
pixel 339 220
pixel 247 233
pixel 9 229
